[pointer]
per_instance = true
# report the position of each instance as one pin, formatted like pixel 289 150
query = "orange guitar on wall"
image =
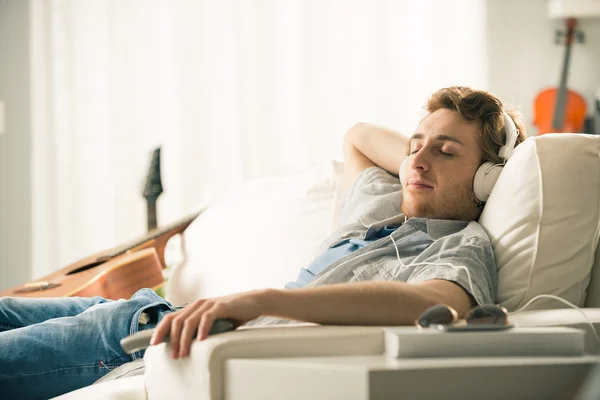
pixel 119 272
pixel 561 110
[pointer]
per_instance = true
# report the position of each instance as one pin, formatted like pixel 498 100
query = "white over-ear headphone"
pixel 488 173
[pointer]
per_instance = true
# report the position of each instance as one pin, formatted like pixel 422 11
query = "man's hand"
pixel 367 145
pixel 197 318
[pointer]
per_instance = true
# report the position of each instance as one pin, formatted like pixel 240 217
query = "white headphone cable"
pixel 551 296
pixel 431 263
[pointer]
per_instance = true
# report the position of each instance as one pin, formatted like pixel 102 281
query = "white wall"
pixel 15 191
pixel 523 58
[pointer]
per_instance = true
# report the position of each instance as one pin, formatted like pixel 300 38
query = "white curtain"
pixel 231 90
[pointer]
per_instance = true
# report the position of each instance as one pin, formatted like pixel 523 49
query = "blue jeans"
pixel 53 346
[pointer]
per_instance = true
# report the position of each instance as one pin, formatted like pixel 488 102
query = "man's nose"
pixel 421 160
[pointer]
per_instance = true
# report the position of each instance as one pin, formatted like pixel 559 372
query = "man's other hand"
pixel 196 319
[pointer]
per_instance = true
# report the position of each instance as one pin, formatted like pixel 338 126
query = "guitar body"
pixel 575 111
pixel 118 278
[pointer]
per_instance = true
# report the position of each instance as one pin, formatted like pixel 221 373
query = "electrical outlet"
pixel 2 118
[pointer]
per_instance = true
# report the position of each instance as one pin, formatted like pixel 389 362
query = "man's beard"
pixel 460 204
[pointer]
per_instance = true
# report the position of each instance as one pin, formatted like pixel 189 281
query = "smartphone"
pixel 471 327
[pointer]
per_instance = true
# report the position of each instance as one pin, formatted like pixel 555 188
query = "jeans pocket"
pixel 155 313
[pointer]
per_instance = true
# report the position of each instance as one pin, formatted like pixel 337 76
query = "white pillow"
pixel 257 236
pixel 543 220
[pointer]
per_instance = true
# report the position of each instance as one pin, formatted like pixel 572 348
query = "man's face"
pixel 444 156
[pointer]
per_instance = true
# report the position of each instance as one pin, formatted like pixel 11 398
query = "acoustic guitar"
pixel 119 272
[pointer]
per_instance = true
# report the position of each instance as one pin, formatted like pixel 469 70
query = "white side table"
pixel 377 377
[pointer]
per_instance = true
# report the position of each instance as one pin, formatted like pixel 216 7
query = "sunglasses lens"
pixel 438 315
pixel 487 314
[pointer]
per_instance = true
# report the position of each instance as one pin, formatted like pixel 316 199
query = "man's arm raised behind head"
pixel 367 145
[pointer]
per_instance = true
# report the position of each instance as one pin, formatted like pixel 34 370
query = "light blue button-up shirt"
pixel 424 249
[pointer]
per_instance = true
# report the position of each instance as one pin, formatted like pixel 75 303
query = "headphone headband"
pixel 511 133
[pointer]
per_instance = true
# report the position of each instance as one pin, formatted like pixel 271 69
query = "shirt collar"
pixel 435 228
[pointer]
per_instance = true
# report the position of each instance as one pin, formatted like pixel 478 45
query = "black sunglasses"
pixel 484 317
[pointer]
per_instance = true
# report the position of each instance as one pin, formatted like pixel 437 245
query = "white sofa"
pixel 543 218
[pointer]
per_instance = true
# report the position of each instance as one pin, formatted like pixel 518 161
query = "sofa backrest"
pixel 258 235
pixel 543 219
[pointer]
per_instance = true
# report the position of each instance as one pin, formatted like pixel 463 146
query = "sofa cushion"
pixel 543 220
pixel 258 235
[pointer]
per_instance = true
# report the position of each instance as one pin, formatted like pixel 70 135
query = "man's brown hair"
pixel 481 106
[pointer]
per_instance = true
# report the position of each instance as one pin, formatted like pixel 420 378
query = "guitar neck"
pixel 558 118
pixel 151 216
pixel 167 231
pixel 152 190
pixel 561 97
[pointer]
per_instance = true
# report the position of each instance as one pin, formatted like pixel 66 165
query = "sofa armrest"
pixel 564 317
pixel 201 375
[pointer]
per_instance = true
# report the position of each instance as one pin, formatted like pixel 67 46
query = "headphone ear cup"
pixel 402 171
pixel 485 179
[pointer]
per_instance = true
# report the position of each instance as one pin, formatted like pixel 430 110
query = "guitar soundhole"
pixel 85 267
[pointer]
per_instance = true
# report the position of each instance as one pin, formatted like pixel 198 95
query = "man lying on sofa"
pixel 379 267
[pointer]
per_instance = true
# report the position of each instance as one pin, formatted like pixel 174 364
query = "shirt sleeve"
pixel 468 262
pixel 375 195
